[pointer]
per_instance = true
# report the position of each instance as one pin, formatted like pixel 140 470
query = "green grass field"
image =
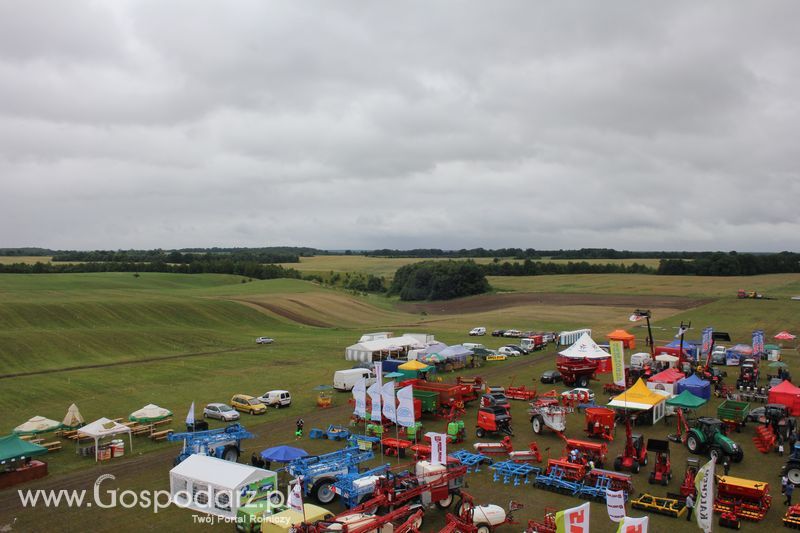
pixel 173 339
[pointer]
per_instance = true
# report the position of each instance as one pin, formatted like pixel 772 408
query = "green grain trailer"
pixel 733 413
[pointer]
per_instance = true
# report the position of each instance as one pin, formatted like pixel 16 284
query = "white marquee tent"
pixel 218 479
pixel 365 351
pixel 585 348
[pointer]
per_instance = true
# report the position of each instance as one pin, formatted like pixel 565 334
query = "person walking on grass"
pixel 788 492
pixel 689 507
pixel 298 433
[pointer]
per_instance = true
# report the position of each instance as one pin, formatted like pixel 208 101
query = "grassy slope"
pixel 305 356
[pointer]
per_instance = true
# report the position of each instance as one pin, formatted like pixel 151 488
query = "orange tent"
pixel 628 339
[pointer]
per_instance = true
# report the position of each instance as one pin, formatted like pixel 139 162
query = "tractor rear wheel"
pixel 737 458
pixel 793 472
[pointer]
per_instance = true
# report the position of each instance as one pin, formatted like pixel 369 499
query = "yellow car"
pixel 248 404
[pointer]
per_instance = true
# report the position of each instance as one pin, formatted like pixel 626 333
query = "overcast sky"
pixel 636 125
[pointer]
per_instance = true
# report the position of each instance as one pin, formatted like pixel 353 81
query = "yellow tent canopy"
pixel 413 365
pixel 638 397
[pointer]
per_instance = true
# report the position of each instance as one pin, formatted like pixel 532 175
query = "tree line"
pixel 250 269
pixel 543 268
pixel 175 256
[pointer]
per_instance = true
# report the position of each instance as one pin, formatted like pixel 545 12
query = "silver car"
pixel 264 340
pixel 221 411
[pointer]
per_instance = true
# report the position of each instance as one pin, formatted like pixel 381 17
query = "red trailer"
pixel 600 422
pixel 521 393
pixel 577 372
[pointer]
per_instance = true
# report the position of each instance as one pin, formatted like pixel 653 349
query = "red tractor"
pixel 662 467
pixel 748 374
pixel 635 454
pixel 493 420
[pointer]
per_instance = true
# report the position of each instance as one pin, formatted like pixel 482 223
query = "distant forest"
pixel 259 262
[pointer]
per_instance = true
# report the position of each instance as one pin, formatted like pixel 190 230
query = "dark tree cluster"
pixel 175 256
pixel 538 268
pixel 438 280
pixel 732 264
pixel 218 266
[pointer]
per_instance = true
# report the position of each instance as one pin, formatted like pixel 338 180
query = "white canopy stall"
pixel 211 485
pixel 586 348
pixel 102 428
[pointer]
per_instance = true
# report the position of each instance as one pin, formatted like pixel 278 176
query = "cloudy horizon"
pixel 358 125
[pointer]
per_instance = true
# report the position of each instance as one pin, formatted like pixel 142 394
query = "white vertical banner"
pixel 360 397
pixel 379 372
pixel 704 507
pixel 190 416
pixel 405 411
pixel 438 448
pixel 389 401
pixel 634 525
pixel 615 505
pixel 374 392
pixel 296 496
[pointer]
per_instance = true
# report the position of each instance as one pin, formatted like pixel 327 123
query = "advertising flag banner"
pixel 573 520
pixel 360 397
pixel 615 504
pixel 405 411
pixel 190 416
pixel 296 497
pixel 634 525
pixel 374 392
pixel 758 342
pixel 438 448
pixel 707 340
pixel 379 372
pixel 704 483
pixel 389 401
pixel 617 362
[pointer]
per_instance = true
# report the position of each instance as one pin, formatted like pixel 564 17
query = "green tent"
pixel 687 400
pixel 13 448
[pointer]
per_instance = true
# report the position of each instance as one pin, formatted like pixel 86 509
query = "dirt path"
pixel 162 459
pixel 489 302
pixel 127 362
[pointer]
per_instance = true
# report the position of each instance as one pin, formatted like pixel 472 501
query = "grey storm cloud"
pixel 644 126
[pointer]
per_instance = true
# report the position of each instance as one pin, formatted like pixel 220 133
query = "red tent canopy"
pixel 669 375
pixel 788 395
pixel 785 336
pixel 628 339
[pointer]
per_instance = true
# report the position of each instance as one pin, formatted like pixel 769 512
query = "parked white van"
pixel 477 332
pixel 276 398
pixel 345 380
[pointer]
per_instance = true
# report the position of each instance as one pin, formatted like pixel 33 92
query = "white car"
pixel 276 398
pixel 512 333
pixel 264 340
pixel 477 332
pixel 508 350
pixel 580 394
pixel 220 411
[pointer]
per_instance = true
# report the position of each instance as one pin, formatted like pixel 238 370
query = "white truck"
pixel 345 380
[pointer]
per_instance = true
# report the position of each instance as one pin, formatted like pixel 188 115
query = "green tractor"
pixel 708 437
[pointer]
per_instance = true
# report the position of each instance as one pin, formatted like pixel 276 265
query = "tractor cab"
pixel 748 373
pixel 710 427
pixel 638 443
